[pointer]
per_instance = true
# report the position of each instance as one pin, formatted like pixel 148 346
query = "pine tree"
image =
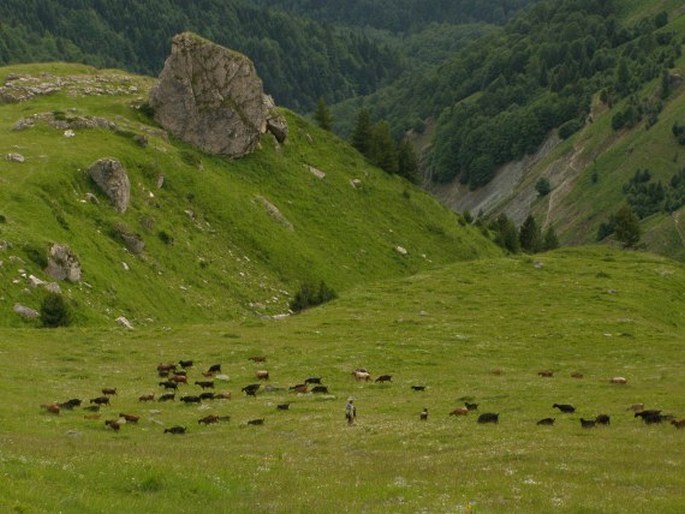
pixel 383 150
pixel 627 227
pixel 322 115
pixel 407 163
pixel 530 236
pixel 550 240
pixel 361 135
pixel 506 234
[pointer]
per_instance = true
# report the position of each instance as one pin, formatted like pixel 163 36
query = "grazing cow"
pixel 113 424
pixel 169 384
pixel 251 389
pixel 262 374
pixel 146 397
pixel 167 397
pixel 678 423
pixel 109 391
pixel 130 418
pixel 488 417
pixel 576 374
pixel 384 378
pixel 207 396
pixel 418 387
pixel 257 358
pixel 179 379
pixel 300 388
pixel 546 421
pixel 650 416
pixel 211 418
pixel 100 400
pixel 603 419
pixel 191 399
pixel 176 429
pixel 163 373
pixel 70 404
pixel 313 380
pixel 258 421
pixel 283 406
pixel 320 389
pixel 214 368
pixel 546 373
pixel 647 413
pixel 618 380
pixel 587 423
pixel 52 408
pixel 359 374
pixel 460 411
pixel 223 396
pixel 166 367
pixel 471 406
pixel 185 364
pixel 564 407
pixel 205 384
pixel 423 416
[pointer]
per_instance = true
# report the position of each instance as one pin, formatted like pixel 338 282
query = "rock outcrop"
pixel 211 97
pixel 109 174
pixel 63 264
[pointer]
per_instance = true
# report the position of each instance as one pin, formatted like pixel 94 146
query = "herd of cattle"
pixel 174 375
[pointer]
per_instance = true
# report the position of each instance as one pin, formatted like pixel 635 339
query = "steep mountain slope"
pixel 222 239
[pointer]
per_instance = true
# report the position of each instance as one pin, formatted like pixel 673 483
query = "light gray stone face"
pixel 211 97
pixel 63 264
pixel 111 177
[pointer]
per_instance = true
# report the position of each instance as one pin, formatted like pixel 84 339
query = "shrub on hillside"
pixel 54 311
pixel 311 296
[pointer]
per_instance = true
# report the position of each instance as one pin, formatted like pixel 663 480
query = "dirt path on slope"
pixel 564 187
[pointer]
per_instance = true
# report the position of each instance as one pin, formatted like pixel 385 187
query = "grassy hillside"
pixel 214 246
pixel 594 310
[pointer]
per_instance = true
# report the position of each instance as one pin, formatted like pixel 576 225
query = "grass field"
pixel 594 310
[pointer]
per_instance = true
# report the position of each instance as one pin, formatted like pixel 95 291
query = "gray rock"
pixel 63 264
pixel 211 97
pixel 15 157
pixel 121 320
pixel 111 177
pixel 26 312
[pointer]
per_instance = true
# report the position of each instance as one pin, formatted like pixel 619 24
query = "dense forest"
pixel 298 59
pixel 496 100
pixel 401 16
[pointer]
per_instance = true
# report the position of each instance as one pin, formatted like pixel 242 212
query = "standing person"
pixel 350 411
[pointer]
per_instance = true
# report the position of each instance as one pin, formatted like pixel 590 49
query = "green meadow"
pixel 477 332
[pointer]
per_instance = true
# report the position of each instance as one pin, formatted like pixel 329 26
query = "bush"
pixel 310 296
pixel 54 311
pixel 543 187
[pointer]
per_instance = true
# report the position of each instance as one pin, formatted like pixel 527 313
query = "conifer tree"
pixel 550 240
pixel 407 163
pixel 361 135
pixel 627 227
pixel 530 236
pixel 383 150
pixel 322 115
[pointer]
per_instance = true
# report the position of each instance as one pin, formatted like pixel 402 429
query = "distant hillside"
pixel 590 172
pixel 222 239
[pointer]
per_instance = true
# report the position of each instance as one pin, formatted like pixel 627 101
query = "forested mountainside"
pixel 496 101
pixel 402 16
pixel 298 59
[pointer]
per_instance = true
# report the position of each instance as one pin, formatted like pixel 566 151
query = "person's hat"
pixel 350 399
